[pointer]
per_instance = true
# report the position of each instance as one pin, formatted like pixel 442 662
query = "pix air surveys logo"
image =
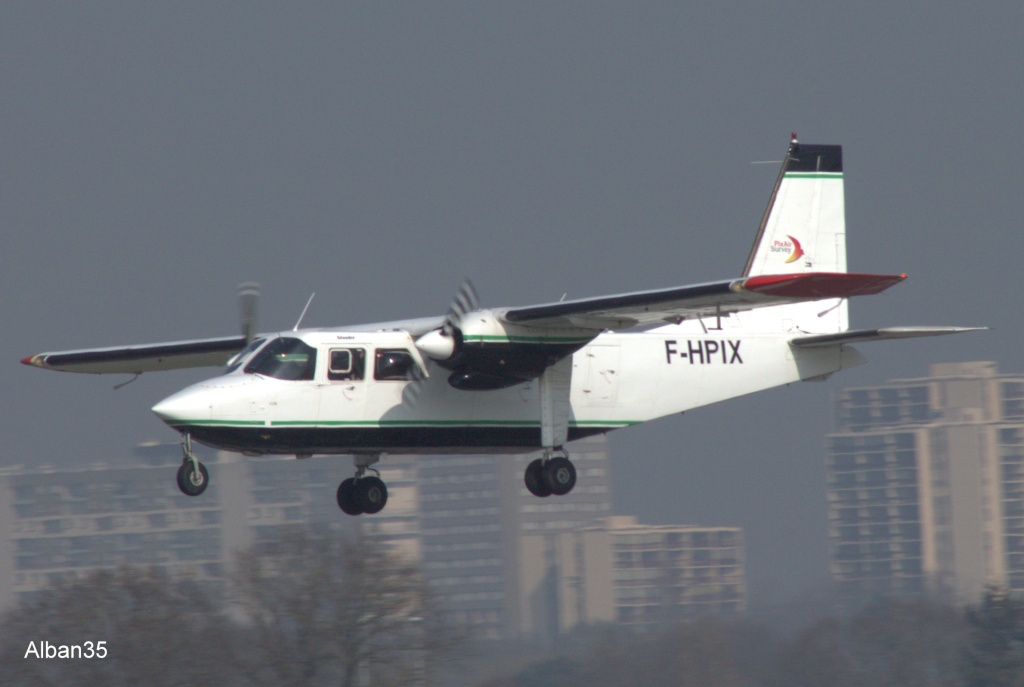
pixel 791 248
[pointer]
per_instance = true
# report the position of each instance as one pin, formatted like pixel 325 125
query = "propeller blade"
pixel 412 390
pixel 248 305
pixel 464 301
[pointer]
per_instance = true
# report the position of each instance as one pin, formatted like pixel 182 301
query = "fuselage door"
pixel 343 384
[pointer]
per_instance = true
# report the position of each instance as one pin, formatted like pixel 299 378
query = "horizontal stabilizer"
pixel 884 334
pixel 810 286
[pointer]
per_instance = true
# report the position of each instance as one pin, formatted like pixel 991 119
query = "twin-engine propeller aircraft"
pixel 511 380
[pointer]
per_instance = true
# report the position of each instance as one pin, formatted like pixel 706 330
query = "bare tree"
pixel 321 609
pixel 890 643
pixel 699 653
pixel 995 654
pixel 119 627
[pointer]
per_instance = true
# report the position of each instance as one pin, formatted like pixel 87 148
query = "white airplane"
pixel 512 380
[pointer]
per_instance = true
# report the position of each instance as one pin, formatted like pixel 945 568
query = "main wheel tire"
pixel 190 482
pixel 371 494
pixel 347 500
pixel 559 476
pixel 534 479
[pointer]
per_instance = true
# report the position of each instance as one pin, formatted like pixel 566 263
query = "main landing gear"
pixel 192 475
pixel 550 475
pixel 363 493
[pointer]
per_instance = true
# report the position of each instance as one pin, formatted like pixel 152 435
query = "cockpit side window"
pixel 285 358
pixel 393 364
pixel 346 364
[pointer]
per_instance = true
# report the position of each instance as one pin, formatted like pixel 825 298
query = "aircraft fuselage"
pixel 617 380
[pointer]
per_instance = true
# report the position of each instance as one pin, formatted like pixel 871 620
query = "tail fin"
pixel 803 229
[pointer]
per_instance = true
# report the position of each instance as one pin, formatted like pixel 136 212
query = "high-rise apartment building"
pixel 635 575
pixel 59 523
pixel 665 574
pixel 926 484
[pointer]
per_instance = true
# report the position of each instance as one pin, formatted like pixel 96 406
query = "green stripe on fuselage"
pixel 814 175
pixel 495 338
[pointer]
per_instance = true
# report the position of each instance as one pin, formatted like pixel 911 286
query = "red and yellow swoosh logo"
pixel 798 250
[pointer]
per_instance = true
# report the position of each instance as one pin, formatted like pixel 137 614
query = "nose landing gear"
pixel 193 477
pixel 363 493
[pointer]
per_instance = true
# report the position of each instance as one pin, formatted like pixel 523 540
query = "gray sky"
pixel 153 156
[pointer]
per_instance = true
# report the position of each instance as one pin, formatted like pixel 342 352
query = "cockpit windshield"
pixel 285 358
pixel 238 358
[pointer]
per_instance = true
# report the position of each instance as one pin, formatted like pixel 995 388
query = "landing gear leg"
pixel 554 473
pixel 192 475
pixel 363 493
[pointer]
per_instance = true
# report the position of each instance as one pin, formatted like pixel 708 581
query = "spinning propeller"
pixel 442 344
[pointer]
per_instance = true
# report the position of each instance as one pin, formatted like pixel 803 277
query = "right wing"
pixel 498 348
pixel 142 358
pixel 699 300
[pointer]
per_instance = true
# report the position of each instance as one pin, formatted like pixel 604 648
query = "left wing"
pixel 700 300
pixel 142 358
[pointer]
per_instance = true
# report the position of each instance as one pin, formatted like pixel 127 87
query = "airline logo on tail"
pixel 792 247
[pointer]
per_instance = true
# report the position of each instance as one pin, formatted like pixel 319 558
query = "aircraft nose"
pixel 185 407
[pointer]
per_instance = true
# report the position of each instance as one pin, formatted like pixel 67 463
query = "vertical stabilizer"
pixel 803 229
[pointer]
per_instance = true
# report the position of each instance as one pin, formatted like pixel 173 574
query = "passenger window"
pixel 346 364
pixel 393 364
pixel 284 358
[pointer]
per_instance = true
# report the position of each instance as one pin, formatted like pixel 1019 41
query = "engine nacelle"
pixel 437 345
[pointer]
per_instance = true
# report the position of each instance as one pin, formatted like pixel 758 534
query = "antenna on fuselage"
pixel 296 327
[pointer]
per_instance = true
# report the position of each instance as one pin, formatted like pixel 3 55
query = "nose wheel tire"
pixel 190 481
